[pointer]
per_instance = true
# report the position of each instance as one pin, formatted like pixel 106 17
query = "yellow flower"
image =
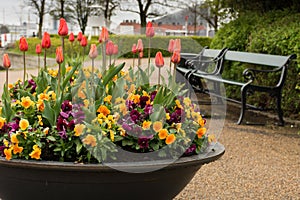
pixel 7 153
pixel 2 122
pixel 119 100
pixel 79 129
pixel 90 140
pixel 40 105
pixel 104 110
pixel 187 101
pixel 10 86
pixel 170 139
pixel 52 95
pixel 162 134
pixel 5 142
pixel 108 99
pixel 86 103
pixel 178 104
pixel 122 131
pixel 53 73
pixel 14 139
pixel 23 124
pixel 157 126
pixel 201 121
pixel 211 138
pixel 168 116
pixel 112 135
pixel 201 132
pixel 123 108
pixel 46 131
pixel 17 149
pixel 115 78
pixel 43 96
pixel 131 89
pixel 26 102
pixel 81 94
pixel 68 68
pixel 36 153
pixel 146 125
pixel 40 120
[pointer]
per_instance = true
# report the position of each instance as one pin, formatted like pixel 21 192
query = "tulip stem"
pixel 45 60
pixel 39 63
pixel 93 71
pixel 158 76
pixel 7 78
pixel 63 45
pixel 58 83
pixel 109 60
pixel 174 72
pixel 171 64
pixel 149 54
pixel 103 56
pixel 24 61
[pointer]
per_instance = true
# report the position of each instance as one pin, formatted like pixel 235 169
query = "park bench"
pixel 257 65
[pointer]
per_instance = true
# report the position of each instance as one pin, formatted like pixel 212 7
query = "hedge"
pixel 277 32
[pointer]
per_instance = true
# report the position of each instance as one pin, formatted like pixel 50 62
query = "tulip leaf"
pixel 111 72
pixel 7 111
pixel 49 113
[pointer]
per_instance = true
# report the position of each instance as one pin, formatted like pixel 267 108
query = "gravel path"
pixel 260 162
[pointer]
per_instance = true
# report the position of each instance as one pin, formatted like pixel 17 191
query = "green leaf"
pixel 49 113
pixel 111 72
pixel 51 138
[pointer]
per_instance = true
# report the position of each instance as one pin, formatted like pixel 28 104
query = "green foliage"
pixel 276 32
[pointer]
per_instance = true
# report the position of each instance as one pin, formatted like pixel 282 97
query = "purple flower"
pixel 143 101
pixel 177 116
pixel 65 115
pixel 190 150
pixel 66 106
pixel 143 142
pixel 135 116
pixel 71 125
pixel 63 134
pixel 153 95
pixel 126 127
pixel 148 109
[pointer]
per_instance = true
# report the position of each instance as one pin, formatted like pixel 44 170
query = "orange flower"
pixel 6 61
pixel 7 153
pixel 104 110
pixel 46 131
pixel 43 96
pixel 23 124
pixel 26 102
pixel 90 140
pixel 2 122
pixel 159 60
pixel 40 105
pixel 170 139
pixel 46 42
pixel 149 30
pixel 79 129
pixel 83 41
pixel 157 126
pixel 23 46
pixel 17 149
pixel 109 48
pixel 104 36
pixel 79 36
pixel 93 51
pixel 162 134
pixel 14 139
pixel 71 37
pixel 38 49
pixel 146 125
pixel 139 46
pixel 201 132
pixel 59 55
pixel 175 57
pixel 63 27
pixel 171 46
pixel 36 153
pixel 81 94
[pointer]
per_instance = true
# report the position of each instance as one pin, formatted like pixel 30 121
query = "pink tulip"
pixel 109 48
pixel 171 46
pixel 150 30
pixel 159 60
pixel 140 47
pixel 93 51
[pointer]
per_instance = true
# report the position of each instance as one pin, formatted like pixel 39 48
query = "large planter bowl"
pixel 21 179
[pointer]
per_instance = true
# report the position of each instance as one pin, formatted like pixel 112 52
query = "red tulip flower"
pixel 6 61
pixel 159 60
pixel 104 36
pixel 140 47
pixel 63 27
pixel 59 55
pixel 176 57
pixel 109 48
pixel 71 37
pixel 46 42
pixel 93 51
pixel 150 30
pixel 23 46
pixel 38 49
pixel 79 36
pixel 171 46
pixel 116 49
pixel 134 49
pixel 83 41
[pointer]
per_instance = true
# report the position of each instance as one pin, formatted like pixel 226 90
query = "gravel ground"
pixel 260 162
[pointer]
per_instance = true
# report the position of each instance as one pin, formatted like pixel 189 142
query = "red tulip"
pixel 133 49
pixel 159 60
pixel 83 41
pixel 59 55
pixel 171 46
pixel 177 45
pixel 149 30
pixel 46 42
pixel 104 36
pixel 23 46
pixel 79 36
pixel 93 51
pixel 116 49
pixel 109 48
pixel 6 61
pixel 63 27
pixel 140 46
pixel 71 37
pixel 141 54
pixel 38 49
pixel 175 57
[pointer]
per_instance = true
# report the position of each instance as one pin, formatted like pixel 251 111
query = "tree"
pixel 40 11
pixel 108 8
pixel 82 9
pixel 61 9
pixel 145 9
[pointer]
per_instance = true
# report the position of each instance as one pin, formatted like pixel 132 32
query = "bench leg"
pixel 279 110
pixel 243 104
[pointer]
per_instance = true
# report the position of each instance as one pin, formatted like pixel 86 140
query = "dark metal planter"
pixel 32 180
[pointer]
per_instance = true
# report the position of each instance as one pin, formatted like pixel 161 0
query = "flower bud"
pixel 79 36
pixel 71 37
pixel 171 46
pixel 109 48
pixel 6 61
pixel 175 57
pixel 177 45
pixel 159 60
pixel 83 41
pixel 38 49
pixel 93 51
pixel 59 55
pixel 104 36
pixel 140 46
pixel 46 42
pixel 150 30
pixel 23 46
pixel 133 49
pixel 63 27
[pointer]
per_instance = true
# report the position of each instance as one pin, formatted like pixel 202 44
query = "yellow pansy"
pixel 86 103
pixel 40 120
pixel 43 96
pixel 7 153
pixel 52 95
pixel 90 140
pixel 201 132
pixel 17 149
pixel 23 124
pixel 46 131
pixel 5 142
pixel 170 139
pixel 187 101
pixel 79 128
pixel 123 108
pixel 146 125
pixel 157 126
pixel 112 135
pixel 40 105
pixel 14 139
pixel 36 153
pixel 104 110
pixel 2 122
pixel 168 116
pixel 178 104
pixel 162 134
pixel 10 86
pixel 108 99
pixel 26 102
